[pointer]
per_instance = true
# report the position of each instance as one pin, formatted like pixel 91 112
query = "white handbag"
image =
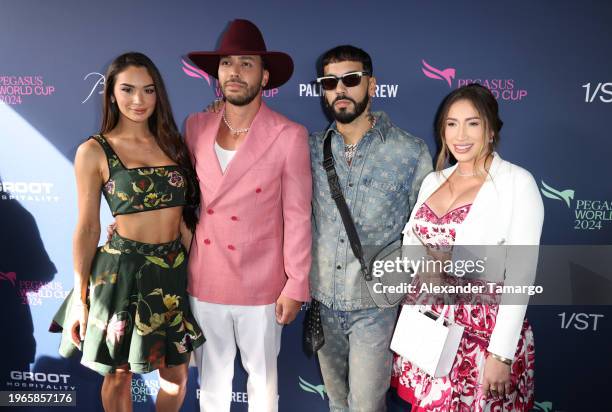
pixel 428 340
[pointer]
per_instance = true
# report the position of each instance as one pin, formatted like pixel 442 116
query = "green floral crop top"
pixel 141 189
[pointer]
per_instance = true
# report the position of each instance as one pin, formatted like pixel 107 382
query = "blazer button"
pixel 210 211
pixel 258 190
pixel 207 241
pixel 231 247
pixel 234 218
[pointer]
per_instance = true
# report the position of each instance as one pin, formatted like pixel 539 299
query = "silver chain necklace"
pixel 234 131
pixel 349 152
pixel 351 149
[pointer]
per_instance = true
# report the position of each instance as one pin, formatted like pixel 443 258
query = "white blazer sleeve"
pixel 527 217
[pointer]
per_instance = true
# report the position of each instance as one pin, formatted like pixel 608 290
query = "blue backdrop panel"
pixel 547 62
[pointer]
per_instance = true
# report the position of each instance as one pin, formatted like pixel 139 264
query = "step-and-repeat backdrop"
pixel 547 62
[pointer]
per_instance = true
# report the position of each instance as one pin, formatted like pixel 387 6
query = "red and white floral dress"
pixel 460 390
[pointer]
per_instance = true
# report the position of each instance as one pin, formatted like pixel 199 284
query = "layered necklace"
pixel 349 152
pixel 351 149
pixel 234 131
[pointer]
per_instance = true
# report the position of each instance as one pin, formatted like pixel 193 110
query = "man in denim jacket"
pixel 380 168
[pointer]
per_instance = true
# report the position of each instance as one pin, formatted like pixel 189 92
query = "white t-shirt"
pixel 224 156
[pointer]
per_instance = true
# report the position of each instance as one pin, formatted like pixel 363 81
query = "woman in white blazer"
pixel 482 200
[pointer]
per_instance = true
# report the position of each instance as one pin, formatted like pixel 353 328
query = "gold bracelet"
pixel 501 358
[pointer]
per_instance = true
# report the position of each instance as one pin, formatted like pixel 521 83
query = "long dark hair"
pixel 161 125
pixel 485 104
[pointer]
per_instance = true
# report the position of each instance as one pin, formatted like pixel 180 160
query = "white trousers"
pixel 258 336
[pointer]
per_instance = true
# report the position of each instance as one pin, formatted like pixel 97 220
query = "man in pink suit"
pixel 250 258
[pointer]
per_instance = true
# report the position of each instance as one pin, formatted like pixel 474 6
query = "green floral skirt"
pixel 139 312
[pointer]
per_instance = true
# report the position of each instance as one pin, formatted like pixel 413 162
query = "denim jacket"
pixel 380 187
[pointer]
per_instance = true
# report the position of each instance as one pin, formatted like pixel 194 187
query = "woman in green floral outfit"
pixel 129 311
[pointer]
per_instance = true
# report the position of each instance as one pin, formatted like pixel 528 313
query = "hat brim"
pixel 278 64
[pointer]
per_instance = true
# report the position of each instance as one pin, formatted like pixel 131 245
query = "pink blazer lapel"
pixel 259 138
pixel 206 161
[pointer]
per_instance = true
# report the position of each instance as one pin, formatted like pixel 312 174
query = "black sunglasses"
pixel 351 79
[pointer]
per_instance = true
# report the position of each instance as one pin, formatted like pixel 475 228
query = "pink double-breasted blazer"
pixel 253 240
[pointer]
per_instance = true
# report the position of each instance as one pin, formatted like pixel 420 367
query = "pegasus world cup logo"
pixel 502 89
pixel 566 195
pixel 309 387
pixel 589 214
pixel 195 72
pixel 447 74
pixel 9 276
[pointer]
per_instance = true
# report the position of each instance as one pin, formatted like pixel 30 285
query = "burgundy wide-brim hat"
pixel 244 38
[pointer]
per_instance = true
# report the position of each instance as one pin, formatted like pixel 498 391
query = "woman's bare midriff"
pixel 155 226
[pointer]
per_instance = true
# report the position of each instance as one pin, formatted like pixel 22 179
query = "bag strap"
pixel 345 213
pixel 448 311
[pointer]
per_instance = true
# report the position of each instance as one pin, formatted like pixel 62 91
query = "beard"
pixel 249 95
pixel 343 115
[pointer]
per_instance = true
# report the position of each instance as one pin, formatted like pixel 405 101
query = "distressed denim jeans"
pixel 355 360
